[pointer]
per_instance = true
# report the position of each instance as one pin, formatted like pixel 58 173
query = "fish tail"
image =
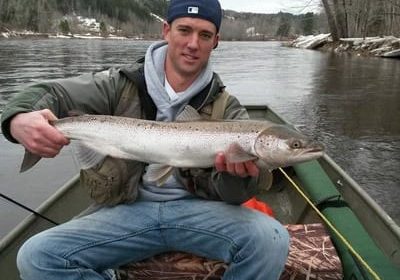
pixel 29 161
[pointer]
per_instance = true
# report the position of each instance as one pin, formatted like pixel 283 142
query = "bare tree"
pixel 331 20
pixel 362 17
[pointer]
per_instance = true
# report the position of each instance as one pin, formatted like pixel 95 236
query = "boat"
pixel 366 239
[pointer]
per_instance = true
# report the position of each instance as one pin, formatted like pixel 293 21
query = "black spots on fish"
pixel 284 132
pixel 193 127
pixel 264 140
pixel 94 118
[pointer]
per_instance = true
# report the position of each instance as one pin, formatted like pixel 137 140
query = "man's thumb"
pixel 48 115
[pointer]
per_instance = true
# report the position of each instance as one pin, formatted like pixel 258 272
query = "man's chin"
pixel 190 70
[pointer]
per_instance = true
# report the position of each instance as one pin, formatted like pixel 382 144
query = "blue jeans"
pixel 255 245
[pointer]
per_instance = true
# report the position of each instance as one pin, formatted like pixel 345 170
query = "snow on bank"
pixel 89 26
pixel 311 41
pixel 387 46
pixel 29 34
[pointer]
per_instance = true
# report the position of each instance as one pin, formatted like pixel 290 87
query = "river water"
pixel 349 103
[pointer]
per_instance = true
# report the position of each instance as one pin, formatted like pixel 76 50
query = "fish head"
pixel 280 146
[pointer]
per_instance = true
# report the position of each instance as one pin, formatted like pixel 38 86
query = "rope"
pixel 332 227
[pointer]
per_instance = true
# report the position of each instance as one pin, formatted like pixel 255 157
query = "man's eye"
pixel 183 30
pixel 206 36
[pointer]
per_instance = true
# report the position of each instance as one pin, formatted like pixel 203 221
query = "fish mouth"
pixel 316 148
pixel 315 151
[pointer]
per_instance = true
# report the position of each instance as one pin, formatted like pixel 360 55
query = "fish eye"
pixel 295 144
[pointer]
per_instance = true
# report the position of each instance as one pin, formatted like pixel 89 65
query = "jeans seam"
pixel 106 241
pixel 236 256
pixel 160 209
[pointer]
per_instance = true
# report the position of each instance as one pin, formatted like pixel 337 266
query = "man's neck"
pixel 178 82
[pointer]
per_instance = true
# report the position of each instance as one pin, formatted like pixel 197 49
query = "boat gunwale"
pixel 8 239
pixel 358 190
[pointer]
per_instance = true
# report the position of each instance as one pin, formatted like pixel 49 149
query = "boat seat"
pixel 311 256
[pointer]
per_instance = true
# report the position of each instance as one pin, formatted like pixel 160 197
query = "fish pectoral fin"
pixel 29 161
pixel 236 154
pixel 87 157
pixel 269 179
pixel 189 114
pixel 158 173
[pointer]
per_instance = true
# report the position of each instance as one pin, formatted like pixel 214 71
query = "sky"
pixel 271 6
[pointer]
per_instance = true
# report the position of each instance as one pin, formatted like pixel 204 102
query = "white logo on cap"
pixel 193 10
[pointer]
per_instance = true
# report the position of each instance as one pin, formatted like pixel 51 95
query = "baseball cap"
pixel 205 9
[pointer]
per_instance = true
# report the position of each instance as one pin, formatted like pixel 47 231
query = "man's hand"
pixel 243 169
pixel 35 133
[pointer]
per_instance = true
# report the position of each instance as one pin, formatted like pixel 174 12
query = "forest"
pixel 134 18
pixel 342 18
pixel 47 16
pixel 362 18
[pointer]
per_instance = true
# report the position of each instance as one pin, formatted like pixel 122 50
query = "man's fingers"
pixel 230 168
pixel 48 152
pixel 252 168
pixel 33 130
pixel 51 132
pixel 220 162
pixel 54 137
pixel 47 114
pixel 242 169
pixel 42 146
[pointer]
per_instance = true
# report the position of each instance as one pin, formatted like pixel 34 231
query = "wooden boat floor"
pixel 311 256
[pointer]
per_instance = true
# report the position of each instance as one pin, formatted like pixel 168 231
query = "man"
pixel 140 219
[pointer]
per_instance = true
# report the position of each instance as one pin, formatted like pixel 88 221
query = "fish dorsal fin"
pixel 157 173
pixel 75 113
pixel 236 154
pixel 189 114
pixel 86 156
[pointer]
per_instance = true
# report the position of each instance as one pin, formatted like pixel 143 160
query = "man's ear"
pixel 216 41
pixel 165 30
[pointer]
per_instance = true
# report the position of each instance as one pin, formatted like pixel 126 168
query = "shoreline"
pixel 32 35
pixel 384 46
pixel 13 34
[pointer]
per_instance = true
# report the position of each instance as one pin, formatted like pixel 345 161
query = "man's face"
pixel 190 42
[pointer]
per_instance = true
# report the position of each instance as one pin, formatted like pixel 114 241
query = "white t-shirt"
pixel 171 92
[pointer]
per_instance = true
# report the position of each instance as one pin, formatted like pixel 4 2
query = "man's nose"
pixel 193 41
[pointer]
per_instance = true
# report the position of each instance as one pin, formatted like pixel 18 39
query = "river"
pixel 349 103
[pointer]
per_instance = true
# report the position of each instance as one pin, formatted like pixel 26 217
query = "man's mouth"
pixel 190 57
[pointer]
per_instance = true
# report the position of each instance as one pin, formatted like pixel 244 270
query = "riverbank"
pixel 385 46
pixel 34 35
